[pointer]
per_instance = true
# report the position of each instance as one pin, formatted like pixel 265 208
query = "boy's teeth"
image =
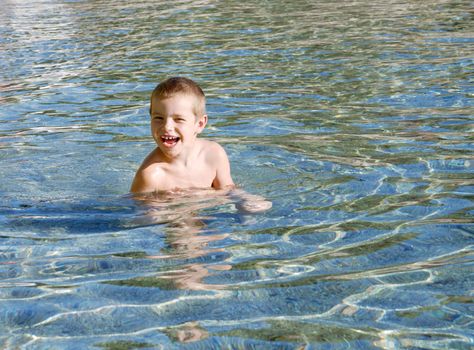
pixel 169 140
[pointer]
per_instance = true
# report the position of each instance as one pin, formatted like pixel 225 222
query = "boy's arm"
pixel 250 203
pixel 247 203
pixel 223 179
pixel 138 182
pixel 142 181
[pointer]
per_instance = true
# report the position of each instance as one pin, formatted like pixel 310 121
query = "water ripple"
pixel 353 118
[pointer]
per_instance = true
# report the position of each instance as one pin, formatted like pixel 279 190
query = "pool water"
pixel 354 119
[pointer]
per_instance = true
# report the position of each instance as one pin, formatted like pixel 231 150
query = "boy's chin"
pixel 171 152
pixel 169 148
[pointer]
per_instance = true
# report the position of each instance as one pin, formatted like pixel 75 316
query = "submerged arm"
pixel 250 203
pixel 246 202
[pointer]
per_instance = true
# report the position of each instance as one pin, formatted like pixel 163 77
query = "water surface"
pixel 353 118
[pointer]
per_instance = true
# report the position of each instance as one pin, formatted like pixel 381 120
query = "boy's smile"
pixel 174 124
pixel 169 141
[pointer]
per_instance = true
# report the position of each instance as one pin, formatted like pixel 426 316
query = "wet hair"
pixel 180 85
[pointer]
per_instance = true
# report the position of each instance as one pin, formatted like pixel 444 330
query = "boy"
pixel 181 160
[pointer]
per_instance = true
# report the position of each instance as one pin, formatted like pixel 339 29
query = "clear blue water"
pixel 353 118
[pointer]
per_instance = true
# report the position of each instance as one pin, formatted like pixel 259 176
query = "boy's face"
pixel 174 125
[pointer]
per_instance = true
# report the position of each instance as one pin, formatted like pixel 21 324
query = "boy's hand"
pixel 254 207
pixel 251 203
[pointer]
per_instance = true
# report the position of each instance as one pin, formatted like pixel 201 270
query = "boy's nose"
pixel 169 123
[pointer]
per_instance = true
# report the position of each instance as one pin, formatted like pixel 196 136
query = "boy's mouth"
pixel 169 141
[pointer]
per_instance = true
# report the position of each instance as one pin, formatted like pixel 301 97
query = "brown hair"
pixel 181 85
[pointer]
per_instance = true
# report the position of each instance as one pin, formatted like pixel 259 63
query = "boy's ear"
pixel 201 124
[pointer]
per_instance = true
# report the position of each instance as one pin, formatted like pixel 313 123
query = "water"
pixel 353 118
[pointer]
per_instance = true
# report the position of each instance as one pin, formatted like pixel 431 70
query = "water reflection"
pixel 187 238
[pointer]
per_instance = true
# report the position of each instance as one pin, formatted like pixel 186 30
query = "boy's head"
pixel 180 85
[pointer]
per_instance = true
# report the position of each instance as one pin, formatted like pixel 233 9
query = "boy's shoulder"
pixel 153 158
pixel 148 174
pixel 205 150
pixel 208 145
pixel 211 150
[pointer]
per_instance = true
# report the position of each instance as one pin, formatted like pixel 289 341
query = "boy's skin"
pixel 181 160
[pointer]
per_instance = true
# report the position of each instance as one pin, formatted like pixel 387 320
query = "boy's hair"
pixel 181 85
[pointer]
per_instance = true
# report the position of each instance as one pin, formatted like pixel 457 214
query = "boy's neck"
pixel 182 159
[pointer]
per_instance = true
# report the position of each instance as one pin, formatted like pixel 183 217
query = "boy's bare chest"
pixel 194 176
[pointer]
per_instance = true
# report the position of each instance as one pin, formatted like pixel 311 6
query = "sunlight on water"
pixel 353 118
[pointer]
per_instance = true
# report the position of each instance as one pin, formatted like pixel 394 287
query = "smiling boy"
pixel 181 160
